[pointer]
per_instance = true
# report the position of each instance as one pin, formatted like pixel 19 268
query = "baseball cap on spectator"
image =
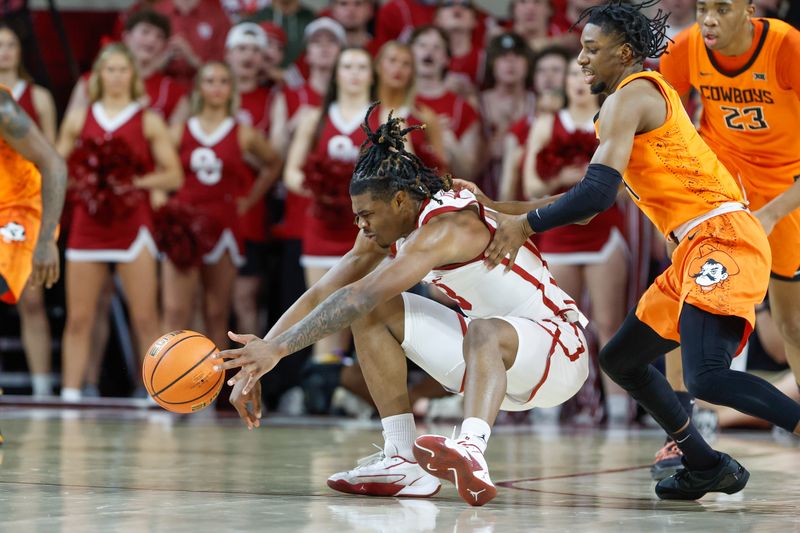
pixel 274 32
pixel 509 42
pixel 246 33
pixel 329 25
pixel 451 3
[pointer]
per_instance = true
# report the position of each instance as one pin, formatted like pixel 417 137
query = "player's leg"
pixel 379 339
pixel 178 291
pixel 709 343
pixel 84 282
pixel 607 283
pixel 490 350
pixel 784 301
pixel 139 280
pixel 35 330
pixel 218 280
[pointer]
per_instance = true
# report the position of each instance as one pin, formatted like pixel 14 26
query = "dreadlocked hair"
pixel 646 36
pixel 385 166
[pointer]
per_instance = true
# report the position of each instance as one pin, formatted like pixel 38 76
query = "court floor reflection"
pixel 99 470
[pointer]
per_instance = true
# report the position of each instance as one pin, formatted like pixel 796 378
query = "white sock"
pixel 476 432
pixel 41 385
pixel 400 430
pixel 71 395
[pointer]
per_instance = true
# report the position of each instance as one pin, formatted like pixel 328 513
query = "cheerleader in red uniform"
pixel 38 104
pixel 113 227
pixel 213 148
pixel 592 256
pixel 320 163
pixel 394 71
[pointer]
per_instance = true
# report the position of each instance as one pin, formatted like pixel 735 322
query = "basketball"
pixel 178 372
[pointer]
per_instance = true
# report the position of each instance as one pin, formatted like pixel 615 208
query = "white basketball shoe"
pixel 460 463
pixel 386 473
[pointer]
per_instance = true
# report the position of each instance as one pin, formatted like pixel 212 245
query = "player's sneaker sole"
pixel 663 471
pixel 384 489
pixel 442 461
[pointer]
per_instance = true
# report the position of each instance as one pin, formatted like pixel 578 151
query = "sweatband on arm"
pixel 595 193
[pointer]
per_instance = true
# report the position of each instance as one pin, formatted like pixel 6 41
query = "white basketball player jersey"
pixel 528 291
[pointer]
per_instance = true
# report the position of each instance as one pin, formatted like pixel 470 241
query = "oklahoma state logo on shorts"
pixel 712 268
pixel 13 232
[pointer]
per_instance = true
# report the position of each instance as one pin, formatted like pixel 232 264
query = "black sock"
pixel 687 401
pixel 696 451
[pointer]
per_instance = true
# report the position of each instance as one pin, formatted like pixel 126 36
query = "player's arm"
pixel 293 176
pixel 256 144
pixel 22 135
pixel 788 78
pixel 431 245
pixel 620 118
pixel 169 171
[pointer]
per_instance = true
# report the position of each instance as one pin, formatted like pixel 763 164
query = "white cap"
pixel 328 24
pixel 246 33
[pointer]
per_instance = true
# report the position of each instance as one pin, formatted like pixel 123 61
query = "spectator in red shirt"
pixel 293 19
pixel 199 28
pixel 458 19
pixel 396 19
pixel 549 77
pixel 354 16
pixel 145 34
pixel 459 122
pixel 509 73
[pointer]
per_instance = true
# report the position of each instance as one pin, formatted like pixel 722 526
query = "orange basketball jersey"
pixel 20 181
pixel 672 175
pixel 746 114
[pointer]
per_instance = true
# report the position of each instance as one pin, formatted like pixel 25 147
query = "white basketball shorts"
pixel 551 365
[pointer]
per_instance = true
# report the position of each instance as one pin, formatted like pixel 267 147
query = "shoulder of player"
pixel 636 95
pixel 449 228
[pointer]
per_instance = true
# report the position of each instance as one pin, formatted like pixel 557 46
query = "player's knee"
pixel 613 362
pixel 703 385
pixel 484 340
pixel 789 327
pixel 31 303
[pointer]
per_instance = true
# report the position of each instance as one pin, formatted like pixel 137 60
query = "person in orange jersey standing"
pixel 744 70
pixel 705 301
pixel 32 182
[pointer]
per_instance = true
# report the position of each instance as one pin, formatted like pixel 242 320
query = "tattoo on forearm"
pixel 14 122
pixel 334 314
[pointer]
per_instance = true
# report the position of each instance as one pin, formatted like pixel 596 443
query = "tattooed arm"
pixel 25 138
pixel 454 238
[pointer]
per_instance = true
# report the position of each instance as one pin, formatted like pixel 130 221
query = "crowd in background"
pixel 239 123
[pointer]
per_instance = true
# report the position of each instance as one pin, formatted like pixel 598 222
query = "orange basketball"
pixel 179 374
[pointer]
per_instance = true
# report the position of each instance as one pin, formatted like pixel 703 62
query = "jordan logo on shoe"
pixel 476 494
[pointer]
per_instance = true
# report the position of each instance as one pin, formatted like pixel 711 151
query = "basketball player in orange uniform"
pixel 746 74
pixel 720 268
pixel 30 202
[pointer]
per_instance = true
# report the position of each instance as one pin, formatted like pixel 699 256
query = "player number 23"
pixel 745 118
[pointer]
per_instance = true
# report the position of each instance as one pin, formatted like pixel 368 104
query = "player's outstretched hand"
pixel 256 357
pixel 512 232
pixel 248 405
pixel 45 265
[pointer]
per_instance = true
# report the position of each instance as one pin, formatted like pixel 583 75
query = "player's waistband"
pixel 680 232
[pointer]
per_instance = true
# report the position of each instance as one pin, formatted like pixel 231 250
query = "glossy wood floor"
pixel 94 470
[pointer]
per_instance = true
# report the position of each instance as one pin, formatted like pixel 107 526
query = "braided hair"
pixel 646 36
pixel 385 167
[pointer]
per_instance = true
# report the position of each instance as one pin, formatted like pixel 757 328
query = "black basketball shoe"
pixel 728 477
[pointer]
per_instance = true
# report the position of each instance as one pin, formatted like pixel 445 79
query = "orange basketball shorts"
pixel 721 266
pixel 761 186
pixel 19 229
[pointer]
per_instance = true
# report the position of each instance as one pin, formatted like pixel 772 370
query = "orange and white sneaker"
pixel 386 473
pixel 460 463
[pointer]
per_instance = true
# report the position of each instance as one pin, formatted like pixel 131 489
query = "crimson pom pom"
pixel 329 182
pixel 576 149
pixel 103 172
pixel 184 234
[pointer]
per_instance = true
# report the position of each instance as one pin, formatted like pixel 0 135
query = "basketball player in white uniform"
pixel 519 346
